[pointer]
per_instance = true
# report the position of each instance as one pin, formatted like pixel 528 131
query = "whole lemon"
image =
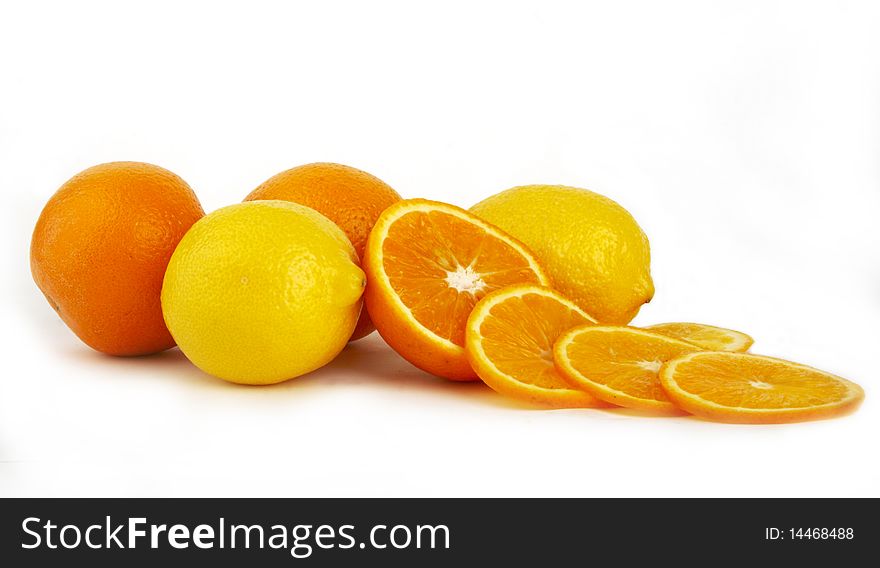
pixel 592 248
pixel 262 291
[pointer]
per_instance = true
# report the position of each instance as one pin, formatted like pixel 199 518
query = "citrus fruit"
pixel 510 336
pixel 427 264
pixel 745 388
pixel 262 291
pixel 351 198
pixel 708 337
pixel 592 248
pixel 619 364
pixel 100 249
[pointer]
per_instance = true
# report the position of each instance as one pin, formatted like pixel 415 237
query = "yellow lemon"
pixel 263 291
pixel 592 248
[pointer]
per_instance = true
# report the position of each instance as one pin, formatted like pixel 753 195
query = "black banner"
pixel 428 532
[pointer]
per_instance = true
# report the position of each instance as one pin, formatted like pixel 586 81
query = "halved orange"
pixel 619 364
pixel 744 388
pixel 510 336
pixel 427 264
pixel 708 337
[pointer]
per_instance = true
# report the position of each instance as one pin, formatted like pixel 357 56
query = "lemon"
pixel 592 248
pixel 263 291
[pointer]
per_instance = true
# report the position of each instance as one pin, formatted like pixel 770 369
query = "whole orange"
pixel 351 198
pixel 100 249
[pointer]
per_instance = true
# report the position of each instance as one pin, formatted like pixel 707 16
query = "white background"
pixel 743 136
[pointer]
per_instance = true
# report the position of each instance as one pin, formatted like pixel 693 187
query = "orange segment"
pixel 427 265
pixel 705 336
pixel 738 387
pixel 510 336
pixel 619 364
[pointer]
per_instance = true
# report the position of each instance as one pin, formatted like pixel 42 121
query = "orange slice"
pixel 706 336
pixel 510 336
pixel 738 387
pixel 619 364
pixel 427 265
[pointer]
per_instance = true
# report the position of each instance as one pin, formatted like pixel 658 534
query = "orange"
pixel 427 264
pixel 744 388
pixel 349 197
pixel 619 364
pixel 510 336
pixel 100 249
pixel 706 336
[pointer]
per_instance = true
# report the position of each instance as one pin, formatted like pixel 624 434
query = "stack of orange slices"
pixel 461 299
